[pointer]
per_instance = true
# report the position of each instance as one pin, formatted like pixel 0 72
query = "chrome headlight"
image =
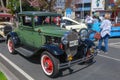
pixel 69 36
pixel 83 34
pixel 64 40
pixel 70 41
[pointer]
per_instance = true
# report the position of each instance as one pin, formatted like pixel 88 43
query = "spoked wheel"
pixel 49 64
pixel 10 45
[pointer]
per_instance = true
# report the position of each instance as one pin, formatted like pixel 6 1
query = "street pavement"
pixel 9 75
pixel 106 66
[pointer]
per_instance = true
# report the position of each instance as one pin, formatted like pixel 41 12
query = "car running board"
pixel 24 52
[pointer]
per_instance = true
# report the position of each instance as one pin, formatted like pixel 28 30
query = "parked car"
pixel 69 24
pixel 58 48
pixel 5 24
pixel 115 30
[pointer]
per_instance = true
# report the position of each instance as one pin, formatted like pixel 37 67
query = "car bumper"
pixel 72 63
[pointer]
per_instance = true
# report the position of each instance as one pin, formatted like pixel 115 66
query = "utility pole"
pixel 20 5
pixel 83 8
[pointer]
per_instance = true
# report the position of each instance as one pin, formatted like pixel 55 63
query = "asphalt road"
pixel 106 67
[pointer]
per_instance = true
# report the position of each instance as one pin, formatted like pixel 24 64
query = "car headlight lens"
pixel 70 42
pixel 83 34
pixel 64 40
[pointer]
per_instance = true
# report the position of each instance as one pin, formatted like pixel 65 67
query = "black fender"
pixel 15 38
pixel 89 43
pixel 53 49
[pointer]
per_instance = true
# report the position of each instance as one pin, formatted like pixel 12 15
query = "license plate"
pixel 73 43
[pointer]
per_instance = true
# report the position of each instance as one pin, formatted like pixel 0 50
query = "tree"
pixel 13 5
pixel 116 5
pixel 115 9
pixel 42 4
pixel 26 6
pixel 3 4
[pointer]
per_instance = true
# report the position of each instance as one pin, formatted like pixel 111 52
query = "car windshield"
pixel 47 20
pixel 4 19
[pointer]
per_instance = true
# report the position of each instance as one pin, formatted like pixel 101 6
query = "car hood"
pixel 2 24
pixel 78 27
pixel 5 23
pixel 51 31
pixel 83 25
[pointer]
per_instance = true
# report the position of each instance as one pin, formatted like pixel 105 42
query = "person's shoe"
pixel 98 51
pixel 105 52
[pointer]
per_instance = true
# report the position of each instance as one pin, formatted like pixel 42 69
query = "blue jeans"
pixel 105 38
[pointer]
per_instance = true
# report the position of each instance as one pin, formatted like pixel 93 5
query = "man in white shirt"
pixel 89 21
pixel 105 32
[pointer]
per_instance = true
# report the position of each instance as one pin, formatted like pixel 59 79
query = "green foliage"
pixel 42 4
pixel 27 7
pixel 2 76
pixel 13 5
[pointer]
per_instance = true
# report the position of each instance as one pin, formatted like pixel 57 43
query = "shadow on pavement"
pixel 72 71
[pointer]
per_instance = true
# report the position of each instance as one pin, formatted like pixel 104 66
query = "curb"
pixel 7 73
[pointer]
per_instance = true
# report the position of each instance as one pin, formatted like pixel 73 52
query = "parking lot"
pixel 106 66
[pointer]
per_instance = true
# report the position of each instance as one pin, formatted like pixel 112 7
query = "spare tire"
pixel 7 29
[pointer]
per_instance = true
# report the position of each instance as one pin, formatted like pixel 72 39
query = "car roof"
pixel 5 15
pixel 38 13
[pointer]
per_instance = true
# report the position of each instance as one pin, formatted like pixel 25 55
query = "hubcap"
pixel 10 46
pixel 47 65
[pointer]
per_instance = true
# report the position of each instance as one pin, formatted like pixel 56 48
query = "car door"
pixel 26 31
pixel 28 36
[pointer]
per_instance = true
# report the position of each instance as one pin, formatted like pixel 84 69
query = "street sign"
pixel 98 5
pixel 68 12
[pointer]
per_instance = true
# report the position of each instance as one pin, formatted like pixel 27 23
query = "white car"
pixel 5 24
pixel 69 24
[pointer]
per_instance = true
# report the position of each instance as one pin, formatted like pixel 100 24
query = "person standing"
pixel 105 32
pixel 89 21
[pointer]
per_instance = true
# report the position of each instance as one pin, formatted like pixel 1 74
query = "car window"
pixel 39 20
pixel 67 22
pixel 27 20
pixel 46 20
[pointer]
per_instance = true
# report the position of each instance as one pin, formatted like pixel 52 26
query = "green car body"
pixel 36 38
pixel 38 33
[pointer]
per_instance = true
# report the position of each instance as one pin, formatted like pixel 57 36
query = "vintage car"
pixel 58 48
pixel 5 24
pixel 69 24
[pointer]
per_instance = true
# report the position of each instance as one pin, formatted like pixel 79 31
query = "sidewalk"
pixel 7 73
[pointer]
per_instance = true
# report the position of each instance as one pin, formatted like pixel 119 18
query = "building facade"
pixel 83 7
pixel 60 4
